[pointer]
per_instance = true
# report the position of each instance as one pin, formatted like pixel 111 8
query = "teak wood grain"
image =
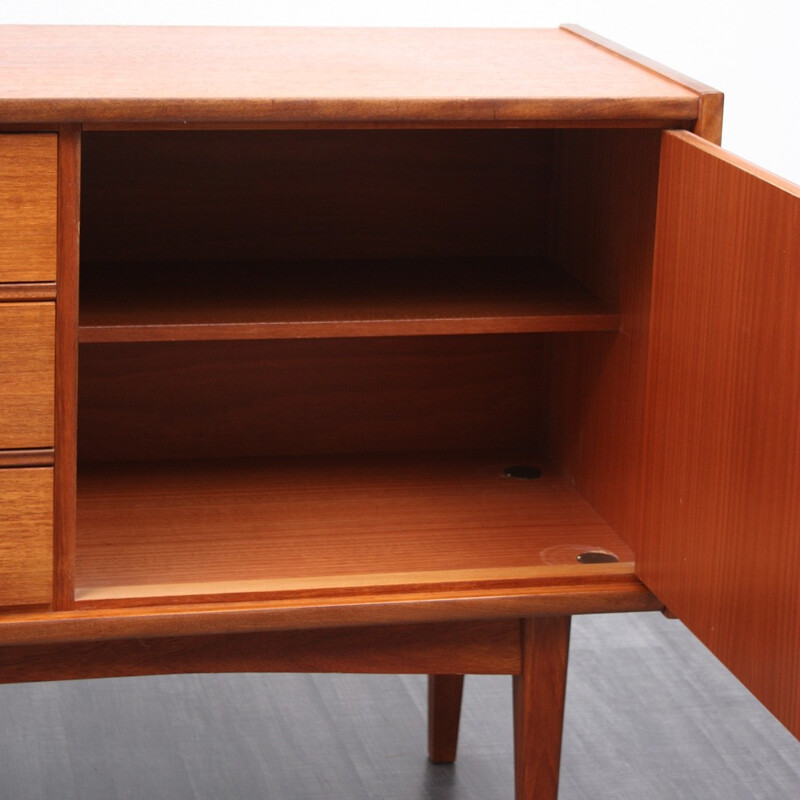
pixel 474 647
pixel 27 207
pixel 26 536
pixel 709 117
pixel 27 457
pixel 191 301
pixel 331 195
pixel 354 524
pixel 271 398
pixel 604 228
pixel 722 490
pixel 86 624
pixel 27 291
pixel 333 282
pixel 27 390
pixel 111 74
pixel 66 366
pixel 444 713
pixel 539 692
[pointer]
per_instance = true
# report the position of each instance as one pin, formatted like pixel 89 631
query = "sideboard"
pixel 388 350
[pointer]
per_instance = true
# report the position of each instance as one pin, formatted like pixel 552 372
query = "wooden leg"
pixel 539 707
pixel 444 714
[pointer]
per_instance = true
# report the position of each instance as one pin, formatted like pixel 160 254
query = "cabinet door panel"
pixel 721 500
pixel 28 165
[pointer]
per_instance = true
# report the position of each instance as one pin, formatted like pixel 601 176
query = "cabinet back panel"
pixel 253 398
pixel 250 195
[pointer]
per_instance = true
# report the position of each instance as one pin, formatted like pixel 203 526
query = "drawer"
pixel 26 536
pixel 28 165
pixel 27 380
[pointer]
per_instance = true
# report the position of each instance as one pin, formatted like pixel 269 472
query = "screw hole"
pixel 523 472
pixel 597 557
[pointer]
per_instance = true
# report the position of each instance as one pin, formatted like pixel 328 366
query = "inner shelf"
pixel 134 302
pixel 350 524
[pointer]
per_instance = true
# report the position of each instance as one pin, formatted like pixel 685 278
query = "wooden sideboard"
pixel 388 351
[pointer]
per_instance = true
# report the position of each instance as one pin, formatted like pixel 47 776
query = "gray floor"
pixel 650 715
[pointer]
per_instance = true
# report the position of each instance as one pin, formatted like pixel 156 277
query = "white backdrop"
pixel 748 50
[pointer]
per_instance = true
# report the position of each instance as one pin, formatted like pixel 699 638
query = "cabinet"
pixel 388 351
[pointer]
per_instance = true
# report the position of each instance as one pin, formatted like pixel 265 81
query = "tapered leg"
pixel 539 707
pixel 444 714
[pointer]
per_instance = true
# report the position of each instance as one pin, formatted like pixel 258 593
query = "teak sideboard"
pixel 388 351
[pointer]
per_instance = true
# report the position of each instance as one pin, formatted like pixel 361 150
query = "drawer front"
pixel 26 536
pixel 28 165
pixel 27 381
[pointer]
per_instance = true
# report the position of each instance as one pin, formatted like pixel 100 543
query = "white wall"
pixel 748 50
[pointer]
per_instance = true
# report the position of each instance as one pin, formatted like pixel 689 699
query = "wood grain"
pixel 444 714
pixel 539 694
pixel 27 291
pixel 66 368
pixel 191 301
pixel 474 647
pixel 218 399
pixel 27 207
pixel 604 229
pixel 33 457
pixel 305 526
pixel 27 357
pixel 96 74
pixel 722 493
pixel 616 594
pixel 709 117
pixel 305 194
pixel 26 536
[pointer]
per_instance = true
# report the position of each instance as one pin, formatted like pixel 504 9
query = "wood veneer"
pixel 322 299
pixel 27 207
pixel 27 457
pixel 27 291
pixel 119 75
pixel 722 490
pixel 357 524
pixel 27 359
pixel 491 647
pixel 258 398
pixel 709 114
pixel 378 382
pixel 603 233
pixel 444 714
pixel 66 366
pixel 596 594
pixel 539 716
pixel 227 196
pixel 26 520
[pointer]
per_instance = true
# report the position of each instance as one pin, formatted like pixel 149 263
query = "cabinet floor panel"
pixel 311 299
pixel 298 526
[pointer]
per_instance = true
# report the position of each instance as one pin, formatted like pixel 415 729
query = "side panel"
pixel 602 232
pixel 721 503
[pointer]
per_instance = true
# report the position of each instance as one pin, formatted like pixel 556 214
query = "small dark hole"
pixel 523 471
pixel 597 557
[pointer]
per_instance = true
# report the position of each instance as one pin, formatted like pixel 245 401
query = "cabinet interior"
pixel 309 357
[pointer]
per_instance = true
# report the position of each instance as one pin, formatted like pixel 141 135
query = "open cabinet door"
pixel 721 500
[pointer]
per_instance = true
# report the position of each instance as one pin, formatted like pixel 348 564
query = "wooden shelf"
pixel 290 299
pixel 330 524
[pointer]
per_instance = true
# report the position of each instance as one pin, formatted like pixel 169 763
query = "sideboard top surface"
pixel 200 74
